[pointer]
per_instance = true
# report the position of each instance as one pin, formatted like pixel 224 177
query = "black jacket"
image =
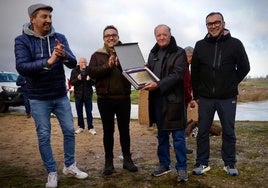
pixel 218 66
pixel 82 88
pixel 171 86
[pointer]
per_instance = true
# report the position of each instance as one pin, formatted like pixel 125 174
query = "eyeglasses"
pixel 110 35
pixel 216 24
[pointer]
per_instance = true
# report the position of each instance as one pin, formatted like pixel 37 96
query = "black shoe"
pixel 109 167
pixel 129 165
pixel 189 151
pixel 161 171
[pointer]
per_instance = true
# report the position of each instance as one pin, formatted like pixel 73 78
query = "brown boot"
pixel 109 166
pixel 129 165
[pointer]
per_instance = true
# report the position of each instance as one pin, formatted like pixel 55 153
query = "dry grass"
pixel 253 90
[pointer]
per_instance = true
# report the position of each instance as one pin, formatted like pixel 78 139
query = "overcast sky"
pixel 82 22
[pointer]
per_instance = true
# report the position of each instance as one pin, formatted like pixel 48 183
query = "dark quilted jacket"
pixel 32 52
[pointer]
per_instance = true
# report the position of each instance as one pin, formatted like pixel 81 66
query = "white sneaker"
pixel 52 180
pixel 92 131
pixel 74 171
pixel 79 130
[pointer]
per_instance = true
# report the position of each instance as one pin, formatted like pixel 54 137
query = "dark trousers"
pixel 108 108
pixel 226 109
pixel 79 103
pixel 26 103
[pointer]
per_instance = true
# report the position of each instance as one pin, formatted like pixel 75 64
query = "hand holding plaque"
pixel 132 63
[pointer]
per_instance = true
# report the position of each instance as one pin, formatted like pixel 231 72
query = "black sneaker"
pixel 161 171
pixel 109 167
pixel 129 165
pixel 108 170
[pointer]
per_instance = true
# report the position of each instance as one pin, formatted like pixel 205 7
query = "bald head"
pixel 82 63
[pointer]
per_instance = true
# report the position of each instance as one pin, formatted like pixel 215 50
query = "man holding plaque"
pixel 113 98
pixel 166 100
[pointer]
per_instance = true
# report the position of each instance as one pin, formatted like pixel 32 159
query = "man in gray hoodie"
pixel 41 54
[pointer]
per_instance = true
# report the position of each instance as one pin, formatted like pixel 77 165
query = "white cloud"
pixel 83 22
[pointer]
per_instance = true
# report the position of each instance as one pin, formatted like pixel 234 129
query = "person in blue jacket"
pixel 41 54
pixel 22 82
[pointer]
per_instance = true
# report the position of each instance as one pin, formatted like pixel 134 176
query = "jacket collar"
pixel 106 50
pixel 222 37
pixel 172 46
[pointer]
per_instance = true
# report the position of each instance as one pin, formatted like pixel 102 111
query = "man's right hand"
pixel 150 86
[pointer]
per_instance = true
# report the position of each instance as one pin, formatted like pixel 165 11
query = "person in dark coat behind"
pixel 22 82
pixel 188 86
pixel 83 93
pixel 166 100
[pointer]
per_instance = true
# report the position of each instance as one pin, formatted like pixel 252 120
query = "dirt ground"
pixel 19 144
pixel 19 149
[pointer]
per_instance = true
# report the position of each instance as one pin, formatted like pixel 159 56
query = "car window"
pixel 8 77
pixel 3 78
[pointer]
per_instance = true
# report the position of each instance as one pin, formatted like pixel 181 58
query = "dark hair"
pixel 110 27
pixel 213 13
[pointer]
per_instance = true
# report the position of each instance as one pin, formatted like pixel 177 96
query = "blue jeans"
pixel 79 102
pixel 179 146
pixel 179 143
pixel 226 109
pixel 41 111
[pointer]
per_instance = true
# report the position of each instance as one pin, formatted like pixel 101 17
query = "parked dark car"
pixel 9 91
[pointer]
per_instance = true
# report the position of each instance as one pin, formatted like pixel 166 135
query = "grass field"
pixel 255 82
pixel 260 91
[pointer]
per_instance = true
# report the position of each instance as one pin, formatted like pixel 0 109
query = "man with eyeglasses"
pixel 219 64
pixel 113 98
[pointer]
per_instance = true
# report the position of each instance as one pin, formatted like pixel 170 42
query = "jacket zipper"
pixel 214 66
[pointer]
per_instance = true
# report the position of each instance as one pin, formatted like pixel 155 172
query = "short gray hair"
pixel 162 25
pixel 189 50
